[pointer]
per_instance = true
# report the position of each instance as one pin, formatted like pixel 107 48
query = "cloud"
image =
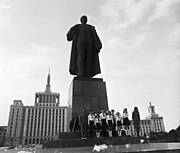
pixel 128 26
pixel 117 43
pixel 174 36
pixel 125 13
pixel 134 43
pixel 35 57
pixel 45 50
pixel 4 7
pixel 5 26
pixel 139 40
pixel 121 15
pixel 163 9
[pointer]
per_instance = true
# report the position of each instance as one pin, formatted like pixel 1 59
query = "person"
pixel 126 121
pixel 97 125
pixel 109 120
pixel 123 131
pixel 114 124
pixel 102 116
pixel 83 122
pixel 91 118
pixel 74 124
pixel 86 45
pixel 118 123
pixel 136 120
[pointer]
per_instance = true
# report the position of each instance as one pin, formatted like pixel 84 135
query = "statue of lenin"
pixel 86 45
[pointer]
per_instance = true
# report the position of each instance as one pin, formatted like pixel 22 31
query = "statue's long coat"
pixel 86 45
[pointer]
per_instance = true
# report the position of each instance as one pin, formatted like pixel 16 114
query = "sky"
pixel 140 58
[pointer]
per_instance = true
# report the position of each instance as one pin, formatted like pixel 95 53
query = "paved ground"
pixel 148 147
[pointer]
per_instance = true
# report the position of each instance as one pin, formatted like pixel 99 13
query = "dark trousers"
pixel 91 129
pixel 83 130
pixel 137 127
pixel 114 129
pixel 103 127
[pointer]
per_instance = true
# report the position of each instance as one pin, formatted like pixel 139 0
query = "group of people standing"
pixel 115 123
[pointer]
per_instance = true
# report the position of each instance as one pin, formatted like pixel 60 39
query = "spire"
pixel 48 78
pixel 48 86
pixel 151 110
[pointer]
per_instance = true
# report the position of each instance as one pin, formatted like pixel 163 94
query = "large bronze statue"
pixel 86 45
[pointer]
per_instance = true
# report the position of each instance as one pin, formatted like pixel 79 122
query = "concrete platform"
pixel 131 148
pixel 89 142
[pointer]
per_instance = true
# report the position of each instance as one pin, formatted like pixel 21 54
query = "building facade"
pixel 3 130
pixel 33 124
pixel 153 123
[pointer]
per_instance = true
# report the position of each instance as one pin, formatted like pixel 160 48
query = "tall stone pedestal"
pixel 88 93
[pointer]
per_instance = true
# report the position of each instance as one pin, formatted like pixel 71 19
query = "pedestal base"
pixel 88 93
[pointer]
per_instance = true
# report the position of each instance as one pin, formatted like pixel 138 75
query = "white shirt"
pixel 102 116
pixel 125 115
pixel 91 117
pixel 97 120
pixel 118 118
pixel 109 118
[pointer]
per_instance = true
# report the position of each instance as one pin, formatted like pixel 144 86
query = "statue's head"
pixel 83 19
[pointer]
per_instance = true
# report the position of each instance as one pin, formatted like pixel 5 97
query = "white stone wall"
pixel 48 123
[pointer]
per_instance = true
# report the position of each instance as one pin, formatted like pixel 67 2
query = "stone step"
pixel 89 142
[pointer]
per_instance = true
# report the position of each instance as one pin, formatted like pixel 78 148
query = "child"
pixel 91 118
pixel 126 121
pixel 109 119
pixel 114 123
pixel 97 125
pixel 118 123
pixel 102 116
pixel 123 131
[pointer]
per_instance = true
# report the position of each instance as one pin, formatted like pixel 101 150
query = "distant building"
pixel 33 124
pixel 153 122
pixel 3 130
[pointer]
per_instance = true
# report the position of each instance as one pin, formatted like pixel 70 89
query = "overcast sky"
pixel 140 58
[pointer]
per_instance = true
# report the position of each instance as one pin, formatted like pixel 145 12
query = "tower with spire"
pixel 47 98
pixel 34 124
pixel 48 86
pixel 151 110
pixel 157 123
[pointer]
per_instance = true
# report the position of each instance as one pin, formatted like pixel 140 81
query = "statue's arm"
pixel 70 35
pixel 72 32
pixel 97 41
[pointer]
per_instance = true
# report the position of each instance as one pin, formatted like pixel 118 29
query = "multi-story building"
pixel 153 122
pixel 33 124
pixel 3 130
